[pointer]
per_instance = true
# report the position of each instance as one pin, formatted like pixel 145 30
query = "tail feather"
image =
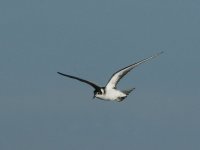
pixel 127 92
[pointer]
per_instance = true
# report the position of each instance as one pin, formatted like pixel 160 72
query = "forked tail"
pixel 127 92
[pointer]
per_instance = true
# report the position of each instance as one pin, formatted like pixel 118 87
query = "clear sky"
pixel 40 110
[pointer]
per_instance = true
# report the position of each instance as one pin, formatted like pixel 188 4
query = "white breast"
pixel 111 94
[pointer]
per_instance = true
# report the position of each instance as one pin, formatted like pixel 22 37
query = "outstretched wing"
pixel 122 72
pixel 82 80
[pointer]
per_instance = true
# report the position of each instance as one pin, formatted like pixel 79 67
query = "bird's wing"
pixel 122 72
pixel 82 80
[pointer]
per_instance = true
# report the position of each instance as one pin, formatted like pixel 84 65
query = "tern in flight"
pixel 110 91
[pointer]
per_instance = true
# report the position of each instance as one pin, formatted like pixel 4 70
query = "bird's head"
pixel 98 93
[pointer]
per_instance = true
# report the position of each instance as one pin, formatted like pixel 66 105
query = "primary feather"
pixel 122 72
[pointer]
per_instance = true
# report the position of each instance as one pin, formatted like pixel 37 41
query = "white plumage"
pixel 110 92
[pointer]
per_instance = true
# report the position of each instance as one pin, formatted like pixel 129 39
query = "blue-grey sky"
pixel 40 110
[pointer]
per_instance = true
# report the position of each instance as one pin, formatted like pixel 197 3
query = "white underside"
pixel 112 94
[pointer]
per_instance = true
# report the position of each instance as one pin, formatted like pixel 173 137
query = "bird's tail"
pixel 127 92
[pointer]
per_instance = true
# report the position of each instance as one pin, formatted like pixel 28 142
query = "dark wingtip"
pixel 159 53
pixel 59 73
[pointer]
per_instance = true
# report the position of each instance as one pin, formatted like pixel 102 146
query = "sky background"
pixel 40 110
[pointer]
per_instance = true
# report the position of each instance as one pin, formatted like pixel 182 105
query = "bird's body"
pixel 111 94
pixel 110 91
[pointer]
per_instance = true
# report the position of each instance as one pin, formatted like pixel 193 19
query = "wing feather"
pixel 82 80
pixel 122 72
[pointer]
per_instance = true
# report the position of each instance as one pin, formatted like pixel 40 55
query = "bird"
pixel 110 91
